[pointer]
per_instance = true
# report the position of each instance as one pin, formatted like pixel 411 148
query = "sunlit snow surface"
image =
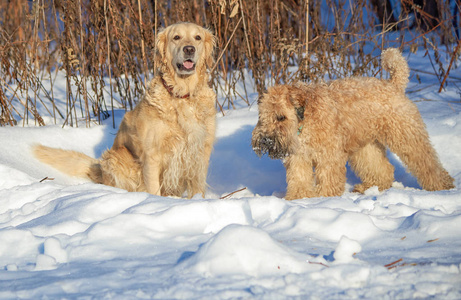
pixel 69 238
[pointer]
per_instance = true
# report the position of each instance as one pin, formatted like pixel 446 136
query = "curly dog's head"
pixel 281 110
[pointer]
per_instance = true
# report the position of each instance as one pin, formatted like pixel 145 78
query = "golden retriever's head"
pixel 183 48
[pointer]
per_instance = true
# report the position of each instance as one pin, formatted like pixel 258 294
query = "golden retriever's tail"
pixel 69 162
pixel 393 62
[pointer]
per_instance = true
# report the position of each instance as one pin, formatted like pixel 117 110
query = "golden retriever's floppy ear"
pixel 210 43
pixel 160 46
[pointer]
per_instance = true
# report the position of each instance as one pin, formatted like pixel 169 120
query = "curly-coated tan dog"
pixel 163 146
pixel 317 128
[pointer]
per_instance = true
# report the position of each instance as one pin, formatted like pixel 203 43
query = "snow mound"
pixel 346 249
pixel 245 250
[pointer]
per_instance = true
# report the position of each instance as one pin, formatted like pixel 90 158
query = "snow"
pixel 65 237
pixel 345 250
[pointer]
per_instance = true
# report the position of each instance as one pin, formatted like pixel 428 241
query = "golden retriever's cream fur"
pixel 163 146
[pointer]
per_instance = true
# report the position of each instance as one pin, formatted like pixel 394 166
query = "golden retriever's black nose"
pixel 189 50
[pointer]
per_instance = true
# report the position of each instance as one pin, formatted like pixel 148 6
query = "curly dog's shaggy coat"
pixel 317 128
pixel 163 146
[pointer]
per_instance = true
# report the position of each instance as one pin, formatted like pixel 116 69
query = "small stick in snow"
pixel 430 241
pixel 318 263
pixel 403 265
pixel 393 263
pixel 46 178
pixel 228 195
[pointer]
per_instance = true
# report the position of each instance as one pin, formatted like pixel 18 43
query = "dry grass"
pixel 106 48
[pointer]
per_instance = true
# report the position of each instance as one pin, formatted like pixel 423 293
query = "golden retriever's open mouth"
pixel 187 66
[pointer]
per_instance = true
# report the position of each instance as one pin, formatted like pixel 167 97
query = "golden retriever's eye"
pixel 176 37
pixel 198 37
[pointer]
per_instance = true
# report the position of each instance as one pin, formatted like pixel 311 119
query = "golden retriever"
pixel 163 146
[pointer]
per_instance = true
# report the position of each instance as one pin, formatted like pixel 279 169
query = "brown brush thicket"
pixel 106 47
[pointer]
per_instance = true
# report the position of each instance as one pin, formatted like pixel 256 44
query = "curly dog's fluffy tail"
pixel 393 62
pixel 69 162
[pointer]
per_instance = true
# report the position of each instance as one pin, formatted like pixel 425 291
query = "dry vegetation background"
pixel 105 48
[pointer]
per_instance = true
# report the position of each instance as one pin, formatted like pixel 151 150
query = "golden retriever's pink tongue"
pixel 188 64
